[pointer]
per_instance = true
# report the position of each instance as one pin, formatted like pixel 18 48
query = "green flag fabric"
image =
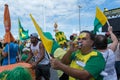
pixel 55 44
pixel 99 21
pixel 23 35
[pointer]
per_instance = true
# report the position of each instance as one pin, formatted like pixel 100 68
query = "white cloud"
pixel 117 1
pixel 65 12
pixel 98 2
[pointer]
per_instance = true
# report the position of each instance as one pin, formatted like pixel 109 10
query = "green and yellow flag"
pixel 60 37
pixel 48 43
pixel 100 20
pixel 23 35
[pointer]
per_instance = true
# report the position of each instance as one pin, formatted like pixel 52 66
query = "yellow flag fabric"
pixel 46 42
pixel 100 16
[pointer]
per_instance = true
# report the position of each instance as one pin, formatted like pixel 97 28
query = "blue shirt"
pixel 12 49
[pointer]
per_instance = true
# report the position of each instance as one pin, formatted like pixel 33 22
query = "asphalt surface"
pixel 53 75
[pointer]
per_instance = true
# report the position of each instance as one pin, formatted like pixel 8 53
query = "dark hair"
pixel 92 36
pixel 71 37
pixel 100 42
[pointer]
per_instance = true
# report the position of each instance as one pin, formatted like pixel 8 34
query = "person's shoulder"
pixel 98 53
pixel 110 51
pixel 39 42
pixel 97 56
pixel 11 43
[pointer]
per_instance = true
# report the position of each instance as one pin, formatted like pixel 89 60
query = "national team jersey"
pixel 93 62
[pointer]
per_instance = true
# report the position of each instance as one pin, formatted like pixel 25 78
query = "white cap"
pixel 26 49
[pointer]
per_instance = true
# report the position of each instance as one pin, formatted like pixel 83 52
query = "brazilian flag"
pixel 46 38
pixel 100 20
pixel 23 35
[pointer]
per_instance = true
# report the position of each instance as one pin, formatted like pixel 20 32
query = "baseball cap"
pixel 34 35
pixel 25 49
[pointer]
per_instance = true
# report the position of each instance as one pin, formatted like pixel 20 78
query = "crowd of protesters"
pixel 87 56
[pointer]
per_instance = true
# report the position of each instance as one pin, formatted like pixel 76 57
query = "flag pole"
pixel 8 53
pixel 108 23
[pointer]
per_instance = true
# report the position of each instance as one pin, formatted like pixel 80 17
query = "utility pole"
pixel 79 18
pixel 44 15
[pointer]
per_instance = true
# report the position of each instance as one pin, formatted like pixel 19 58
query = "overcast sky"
pixel 47 12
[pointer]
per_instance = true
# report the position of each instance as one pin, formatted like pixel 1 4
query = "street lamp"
pixel 44 15
pixel 79 18
pixel 55 26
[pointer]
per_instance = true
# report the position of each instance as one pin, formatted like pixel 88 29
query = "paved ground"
pixel 53 75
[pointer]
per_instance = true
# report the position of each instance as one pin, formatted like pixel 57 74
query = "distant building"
pixel 113 16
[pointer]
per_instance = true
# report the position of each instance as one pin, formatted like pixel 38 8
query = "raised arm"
pixel 113 45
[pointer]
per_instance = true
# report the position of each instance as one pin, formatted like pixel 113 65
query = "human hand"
pixel 34 65
pixel 55 63
pixel 73 46
pixel 110 28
